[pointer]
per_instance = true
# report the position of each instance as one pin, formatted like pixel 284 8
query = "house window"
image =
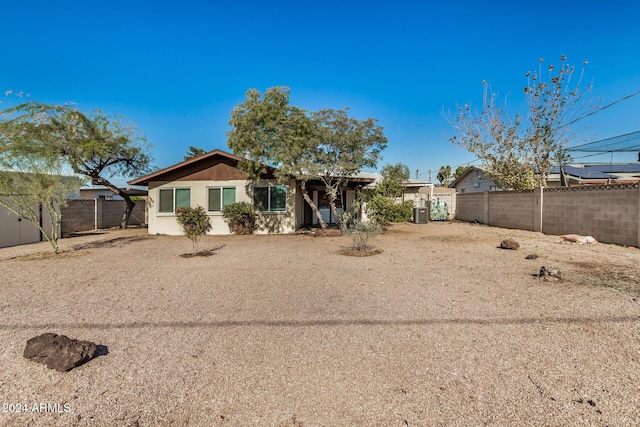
pixel 172 198
pixel 270 199
pixel 219 197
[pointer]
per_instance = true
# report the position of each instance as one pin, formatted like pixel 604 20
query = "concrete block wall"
pixel 512 209
pixel 608 213
pixel 78 215
pixel 84 215
pixel 470 207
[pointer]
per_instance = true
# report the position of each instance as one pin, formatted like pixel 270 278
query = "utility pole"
pixel 419 178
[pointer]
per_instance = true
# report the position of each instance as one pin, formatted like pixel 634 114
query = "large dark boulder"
pixel 59 352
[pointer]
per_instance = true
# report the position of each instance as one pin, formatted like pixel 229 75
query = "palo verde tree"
pixel 95 145
pixel 33 184
pixel 518 152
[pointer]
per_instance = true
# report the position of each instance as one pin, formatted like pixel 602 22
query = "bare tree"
pixel 518 152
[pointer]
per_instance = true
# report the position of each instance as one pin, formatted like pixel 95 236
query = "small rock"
pixel 59 352
pixel 509 244
pixel 531 256
pixel 550 273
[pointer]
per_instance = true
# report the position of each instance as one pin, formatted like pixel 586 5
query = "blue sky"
pixel 177 69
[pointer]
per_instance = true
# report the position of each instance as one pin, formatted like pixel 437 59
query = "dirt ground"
pixel 442 328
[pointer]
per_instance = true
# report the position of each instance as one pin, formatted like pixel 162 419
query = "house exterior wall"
pixel 475 182
pixel 609 213
pixel 94 193
pixel 268 222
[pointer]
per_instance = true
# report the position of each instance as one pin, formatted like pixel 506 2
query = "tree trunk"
pixel 314 208
pixel 115 190
pixel 127 211
pixel 334 211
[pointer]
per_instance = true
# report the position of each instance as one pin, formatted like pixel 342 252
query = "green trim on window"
pixel 270 199
pixel 165 204
pixel 228 196
pixel 214 200
pixel 261 198
pixel 278 198
pixel 183 198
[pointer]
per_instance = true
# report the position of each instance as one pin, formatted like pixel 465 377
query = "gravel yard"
pixel 441 329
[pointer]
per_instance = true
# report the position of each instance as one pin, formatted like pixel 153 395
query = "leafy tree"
pixel 270 131
pixel 444 175
pixel 392 178
pixel 518 152
pixel 32 181
pixel 94 145
pixel 194 222
pixel 193 152
pixel 459 171
pixel 327 145
pixel 343 147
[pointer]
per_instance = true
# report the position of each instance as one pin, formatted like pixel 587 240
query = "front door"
pixel 325 209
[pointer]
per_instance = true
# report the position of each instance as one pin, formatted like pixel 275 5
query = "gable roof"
pixel 193 168
pixel 468 171
pixel 189 167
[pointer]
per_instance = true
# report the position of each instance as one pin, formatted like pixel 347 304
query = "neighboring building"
pixel 100 191
pixel 15 230
pixel 213 180
pixel 594 174
pixel 474 180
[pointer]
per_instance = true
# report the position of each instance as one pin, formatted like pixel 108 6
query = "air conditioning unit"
pixel 421 215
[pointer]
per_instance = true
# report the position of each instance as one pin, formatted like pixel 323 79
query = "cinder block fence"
pixel 610 213
pixel 92 214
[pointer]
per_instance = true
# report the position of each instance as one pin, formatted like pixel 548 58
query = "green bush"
pixel 241 217
pixel 194 222
pixel 385 209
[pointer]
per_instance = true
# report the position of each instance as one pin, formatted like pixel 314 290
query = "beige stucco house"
pixel 213 180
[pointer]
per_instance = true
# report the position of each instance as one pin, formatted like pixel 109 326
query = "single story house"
pixel 595 174
pixel 213 180
pixel 94 191
pixel 474 180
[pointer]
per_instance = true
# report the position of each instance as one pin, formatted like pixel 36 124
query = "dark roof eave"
pixel 144 180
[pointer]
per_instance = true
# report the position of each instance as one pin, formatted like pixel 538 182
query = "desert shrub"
pixel 241 217
pixel 361 233
pixel 194 223
pixel 385 209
